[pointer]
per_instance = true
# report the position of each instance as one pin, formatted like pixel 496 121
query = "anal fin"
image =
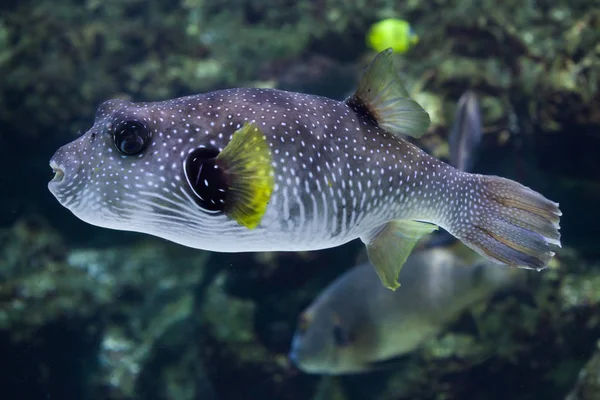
pixel 389 246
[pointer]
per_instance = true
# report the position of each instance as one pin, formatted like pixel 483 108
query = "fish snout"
pixel 59 175
pixel 59 172
pixel 293 356
pixel 65 170
pixel 295 349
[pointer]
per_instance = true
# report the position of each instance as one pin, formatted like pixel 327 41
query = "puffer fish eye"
pixel 131 137
pixel 206 178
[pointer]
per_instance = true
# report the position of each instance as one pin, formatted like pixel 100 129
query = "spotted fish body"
pixel 339 172
pixel 337 175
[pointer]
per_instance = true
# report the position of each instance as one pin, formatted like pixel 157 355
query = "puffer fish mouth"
pixel 59 174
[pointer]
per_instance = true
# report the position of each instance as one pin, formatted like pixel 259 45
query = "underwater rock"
pixel 134 306
pixel 588 382
pixel 231 322
pixel 234 353
pixel 151 326
pixel 37 285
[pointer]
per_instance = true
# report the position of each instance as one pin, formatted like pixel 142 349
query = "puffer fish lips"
pixel 69 179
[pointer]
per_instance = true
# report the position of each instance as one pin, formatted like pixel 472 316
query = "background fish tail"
pixel 508 223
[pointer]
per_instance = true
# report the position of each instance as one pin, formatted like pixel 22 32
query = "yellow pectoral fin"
pixel 247 160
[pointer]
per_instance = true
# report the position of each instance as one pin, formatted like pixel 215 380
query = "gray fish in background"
pixel 356 323
pixel 465 136
pixel 268 170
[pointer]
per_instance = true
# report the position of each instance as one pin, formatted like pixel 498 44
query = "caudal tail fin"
pixel 511 224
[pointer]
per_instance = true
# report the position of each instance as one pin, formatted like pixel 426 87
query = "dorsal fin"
pixel 381 96
pixel 465 135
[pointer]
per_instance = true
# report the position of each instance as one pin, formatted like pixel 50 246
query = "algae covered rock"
pixel 125 305
pixel 588 382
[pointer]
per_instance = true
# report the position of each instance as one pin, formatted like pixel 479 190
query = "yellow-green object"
pixel 382 93
pixel 248 161
pixel 392 32
pixel 389 248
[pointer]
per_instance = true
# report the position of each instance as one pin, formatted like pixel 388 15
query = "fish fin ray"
pixel 247 159
pixel 382 97
pixel 517 227
pixel 389 246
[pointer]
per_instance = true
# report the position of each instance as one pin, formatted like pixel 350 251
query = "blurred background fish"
pixel 355 324
pixel 465 136
pixel 392 32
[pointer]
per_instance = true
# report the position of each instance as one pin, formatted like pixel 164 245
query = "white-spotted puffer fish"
pixel 267 170
pixel 356 325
